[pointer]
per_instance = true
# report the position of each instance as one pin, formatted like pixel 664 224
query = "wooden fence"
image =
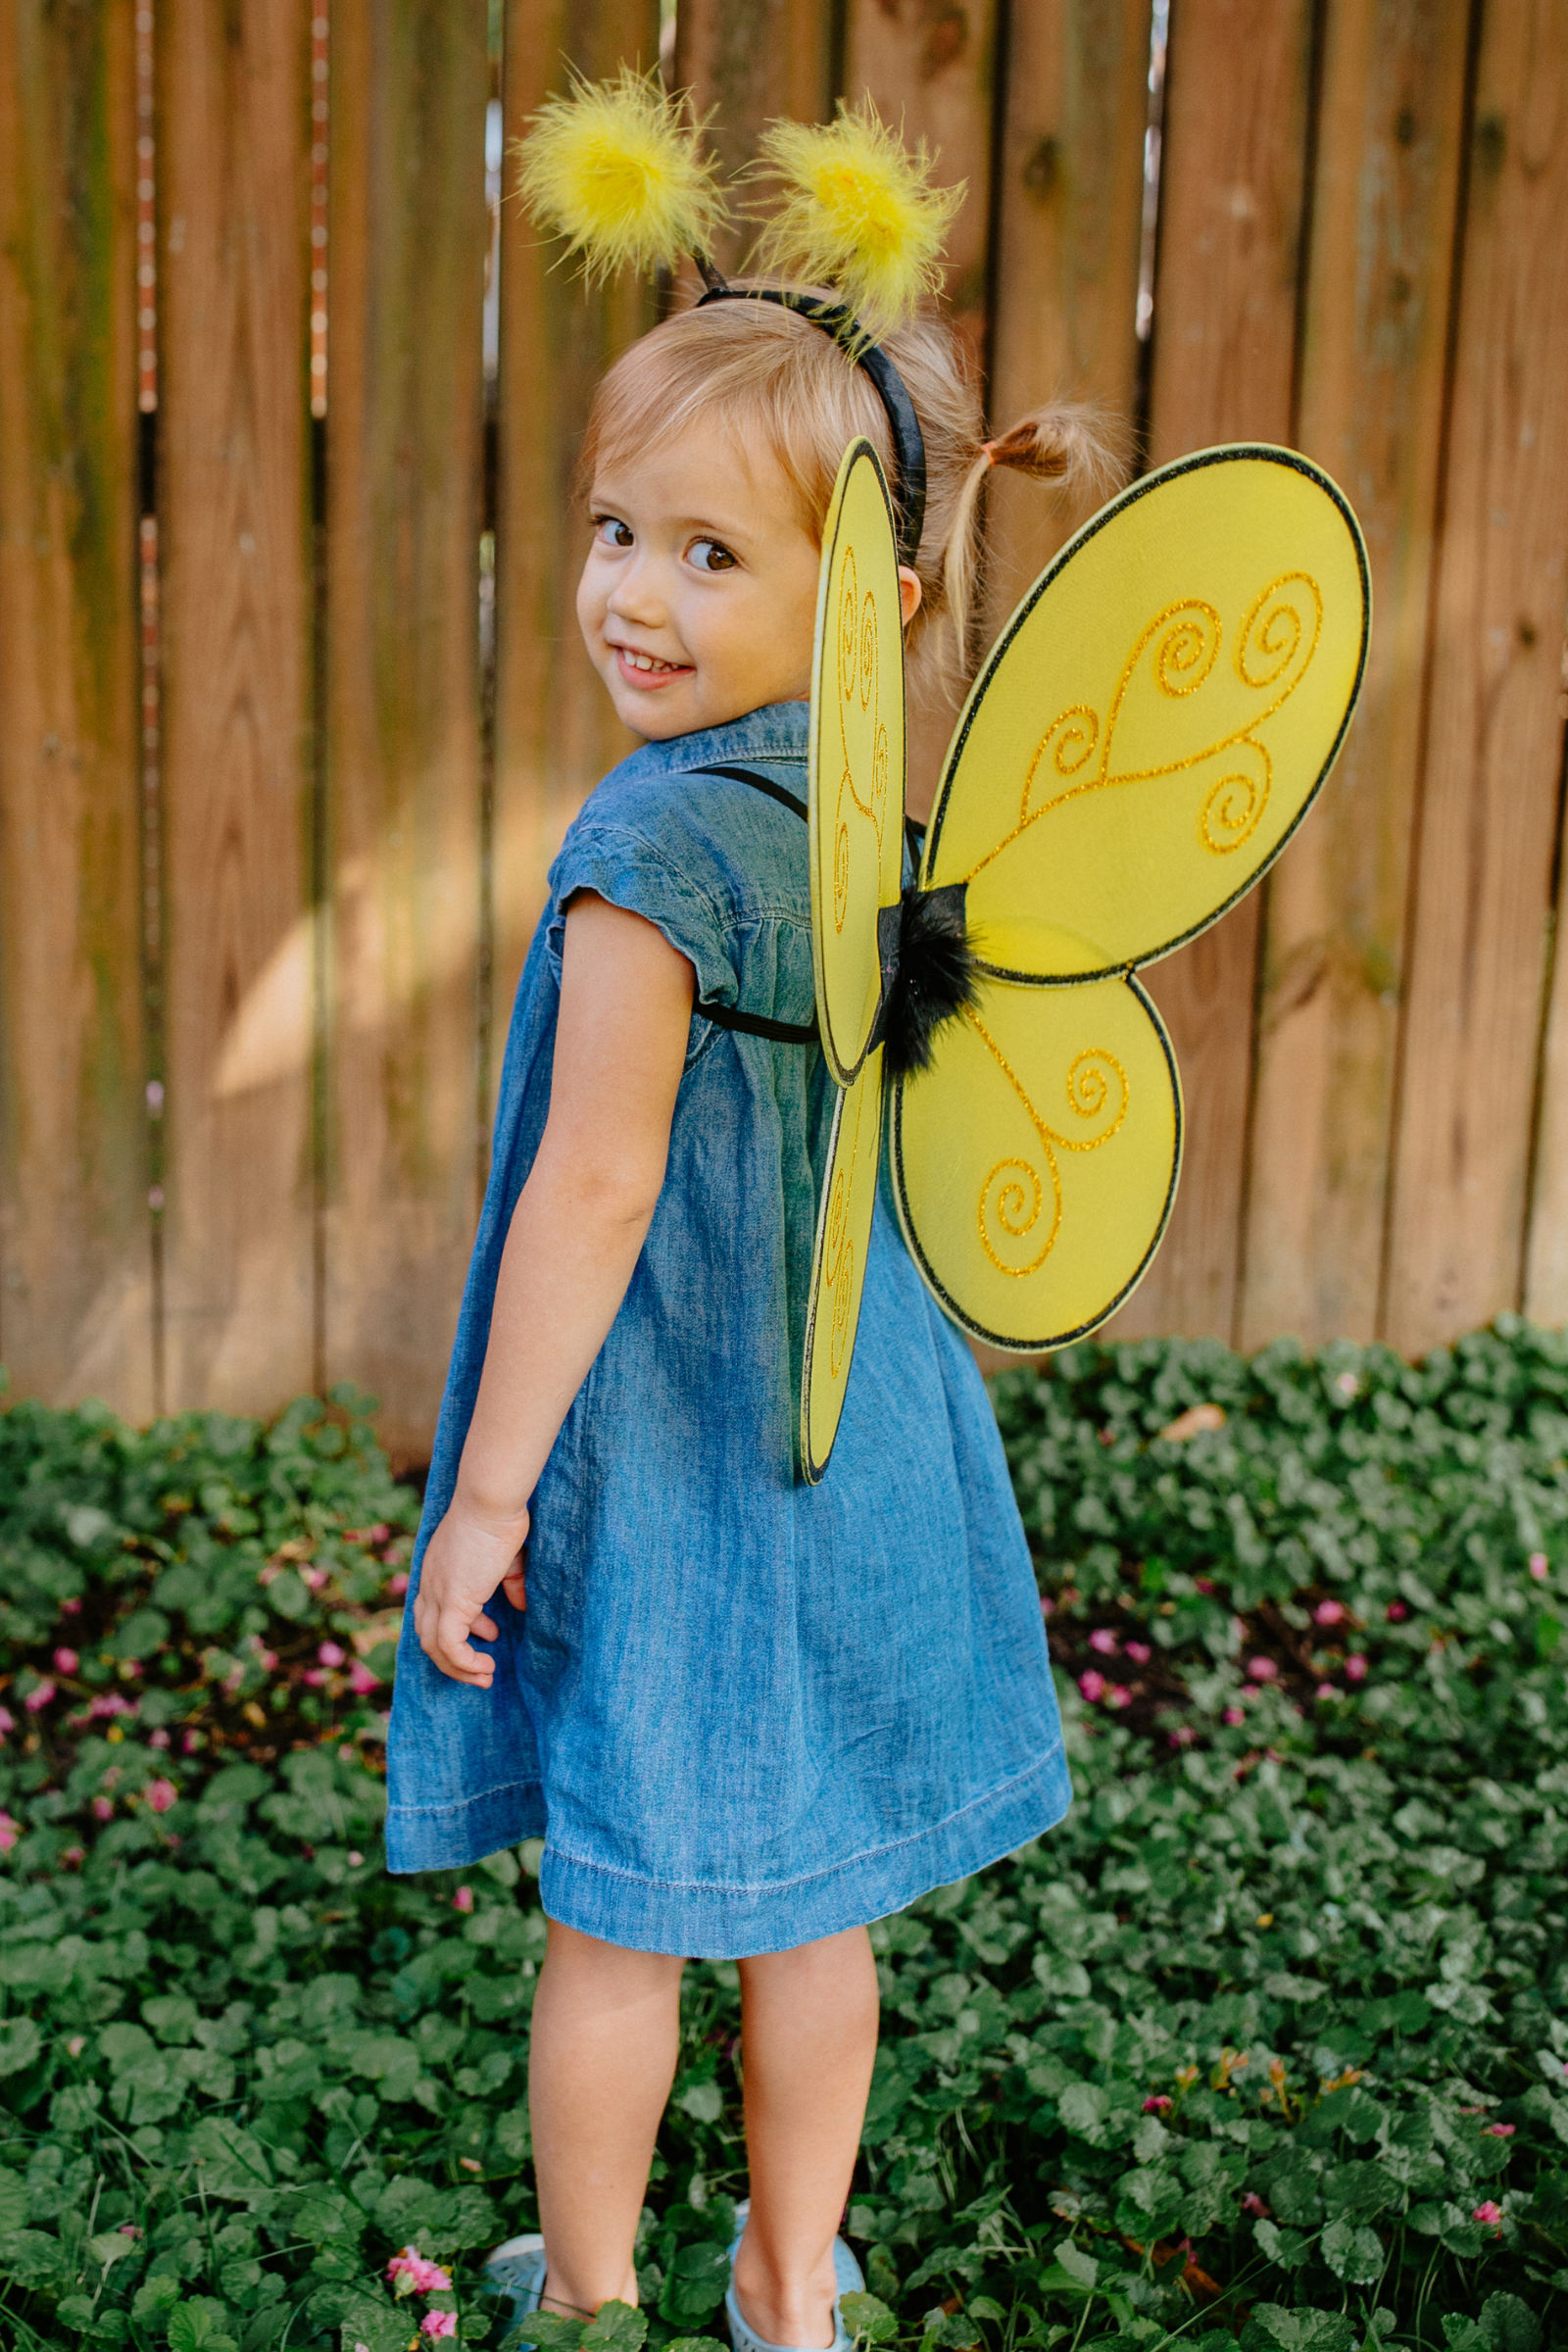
pixel 292 713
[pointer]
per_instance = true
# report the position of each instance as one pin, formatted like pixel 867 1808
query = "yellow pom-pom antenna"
pixel 618 168
pixel 859 213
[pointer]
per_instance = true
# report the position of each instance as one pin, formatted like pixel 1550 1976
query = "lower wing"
pixel 1035 1161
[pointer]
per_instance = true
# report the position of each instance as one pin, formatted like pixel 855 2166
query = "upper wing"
pixel 857 757
pixel 1155 718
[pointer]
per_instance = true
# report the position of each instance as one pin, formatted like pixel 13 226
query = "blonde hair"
pixel 772 374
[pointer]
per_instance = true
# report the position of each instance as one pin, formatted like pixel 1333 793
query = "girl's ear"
pixel 909 593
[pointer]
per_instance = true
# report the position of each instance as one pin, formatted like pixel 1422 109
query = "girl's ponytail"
pixel 1064 442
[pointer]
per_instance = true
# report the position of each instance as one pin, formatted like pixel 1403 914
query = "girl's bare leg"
pixel 809 2040
pixel 601 2058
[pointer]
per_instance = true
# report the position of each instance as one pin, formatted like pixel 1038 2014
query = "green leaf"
pixel 197 2326
pixel 867 2318
pixel 1352 2254
pixel 1078 2266
pixel 699 2276
pixel 555 2331
pixel 1508 2325
pixel 154 2297
pixel 20 2044
pixel 111 2246
pixel 615 2327
pixel 1288 2248
pixel 704 2101
pixel 1273 2329
pixel 695 2343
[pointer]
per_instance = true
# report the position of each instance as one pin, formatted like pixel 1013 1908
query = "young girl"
pixel 747 1716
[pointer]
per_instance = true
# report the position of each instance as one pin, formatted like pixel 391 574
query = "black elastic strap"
pixel 725 1016
pixel 890 387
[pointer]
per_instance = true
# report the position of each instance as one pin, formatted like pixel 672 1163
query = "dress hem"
pixel 736 1923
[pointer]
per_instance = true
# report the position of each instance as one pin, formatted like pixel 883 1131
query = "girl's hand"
pixel 467 1560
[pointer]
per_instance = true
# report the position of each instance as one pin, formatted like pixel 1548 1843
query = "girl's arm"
pixel 575 1235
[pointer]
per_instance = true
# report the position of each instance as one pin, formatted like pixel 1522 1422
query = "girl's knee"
pixel 589 1959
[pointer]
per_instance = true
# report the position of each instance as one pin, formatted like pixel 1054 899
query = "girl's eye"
pixel 610 531
pixel 710 555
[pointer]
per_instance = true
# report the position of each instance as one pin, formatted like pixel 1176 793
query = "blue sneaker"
pixel 847 2270
pixel 518 2270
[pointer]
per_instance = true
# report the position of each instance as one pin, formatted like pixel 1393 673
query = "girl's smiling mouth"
pixel 647 669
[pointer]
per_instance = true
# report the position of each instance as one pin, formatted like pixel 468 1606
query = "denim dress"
pixel 742 1712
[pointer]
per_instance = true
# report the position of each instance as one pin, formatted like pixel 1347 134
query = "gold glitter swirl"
pixel 1013 1193
pixel 868 650
pixel 1233 807
pixel 841 862
pixel 849 615
pixel 1070 742
pixel 1188 650
pixel 1274 628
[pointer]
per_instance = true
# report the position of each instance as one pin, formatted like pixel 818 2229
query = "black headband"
pixel 848 332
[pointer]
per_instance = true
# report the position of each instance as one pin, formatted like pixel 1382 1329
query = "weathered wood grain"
pixel 555 732
pixel 746 61
pixel 930 66
pixel 1491 798
pixel 1069 216
pixel 1232 197
pixel 75 1254
pixel 233 498
pixel 408 231
pixel 1372 379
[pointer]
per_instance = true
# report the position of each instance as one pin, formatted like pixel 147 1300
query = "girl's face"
pixel 698 600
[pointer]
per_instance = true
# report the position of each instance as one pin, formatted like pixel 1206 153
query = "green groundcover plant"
pixel 1267 2043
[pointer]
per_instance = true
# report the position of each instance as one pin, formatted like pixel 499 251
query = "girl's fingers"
pixel 514 1582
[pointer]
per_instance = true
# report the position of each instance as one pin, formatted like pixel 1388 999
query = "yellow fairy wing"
pixel 1156 717
pixel 1035 1161
pixel 838 1263
pixel 857 757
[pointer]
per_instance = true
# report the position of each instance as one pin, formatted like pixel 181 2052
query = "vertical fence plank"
pixel 75 1303
pixel 1373 371
pixel 409 236
pixel 1232 191
pixel 748 60
pixel 1493 768
pixel 1069 219
pixel 234 541
pixel 933 70
pixel 555 732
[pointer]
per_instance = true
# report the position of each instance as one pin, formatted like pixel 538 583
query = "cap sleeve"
pixel 622 866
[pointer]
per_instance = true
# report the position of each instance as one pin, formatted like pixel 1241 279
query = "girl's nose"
pixel 635 597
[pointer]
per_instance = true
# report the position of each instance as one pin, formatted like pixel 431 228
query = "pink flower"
pixel 1355 1667
pixel 1499 2131
pixel 157 1738
pixel 1234 1715
pixel 362 1681
pixel 66 1661
pixel 191 1743
pixel 1158 2104
pixel 355 1859
pixel 1104 1640
pixel 8 1722
pixel 76 2045
pixel 439 2322
pixel 1488 2213
pixel 1119 1695
pixel 1183 1735
pixel 1329 1612
pixel 128 2229
pixel 1346 1383
pixel 74 1856
pixel 265 1659
pixel 71 1608
pixel 1046 1606
pixel 1396 1612
pixel 1263 1670
pixel 1539 1566
pixel 161 1794
pixel 1203 1584
pixel 330 1653
pixel 1138 1652
pixel 398 1583
pixel 10 1832
pixel 411 2274
pixel 463 1901
pixel 111 1703
pixel 38 1698
pixel 1092 1685
pixel 1253 2202
pixel 316 1577
pixel 103 1808
pixel 316 1675
pixel 1327 1690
